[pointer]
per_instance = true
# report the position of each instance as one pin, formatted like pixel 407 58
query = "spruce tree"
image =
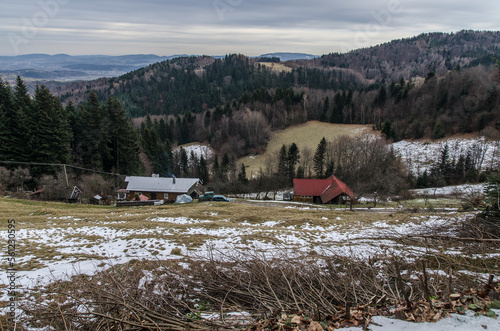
pixel 50 131
pixel 282 162
pixel 216 167
pixel 242 175
pixel 17 146
pixel 6 106
pixel 438 131
pixel 293 158
pixel 159 153
pixel 184 162
pixel 122 142
pixel 319 158
pixel 94 135
pixel 203 171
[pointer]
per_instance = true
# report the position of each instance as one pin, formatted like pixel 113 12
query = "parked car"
pixel 218 197
pixel 208 196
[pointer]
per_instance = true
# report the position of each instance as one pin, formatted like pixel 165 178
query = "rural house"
pixel 331 190
pixel 162 188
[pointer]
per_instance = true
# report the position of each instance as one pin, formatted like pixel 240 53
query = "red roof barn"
pixel 330 190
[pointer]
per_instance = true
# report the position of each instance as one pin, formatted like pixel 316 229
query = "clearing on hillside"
pixel 306 136
pixel 276 67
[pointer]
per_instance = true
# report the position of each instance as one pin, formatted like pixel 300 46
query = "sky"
pixel 218 27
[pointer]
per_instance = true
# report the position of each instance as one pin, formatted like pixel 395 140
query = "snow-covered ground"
pixel 84 246
pixel 417 155
pixel 198 150
pixel 457 191
pixel 467 322
pixel 420 156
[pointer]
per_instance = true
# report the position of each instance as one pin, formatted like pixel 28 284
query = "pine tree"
pixel 6 106
pixel 184 162
pixel 17 146
pixel 438 131
pixel 203 171
pixel 216 167
pixel 326 107
pixel 122 141
pixel 492 198
pixel 159 153
pixel 319 158
pixel 300 172
pixel 242 175
pixel 93 139
pixel 282 162
pixel 50 131
pixel 330 167
pixel 386 129
pixel 338 105
pixel 293 158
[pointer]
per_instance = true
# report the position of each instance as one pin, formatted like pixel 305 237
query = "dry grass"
pixel 276 67
pixel 307 135
pixel 316 274
pixel 55 232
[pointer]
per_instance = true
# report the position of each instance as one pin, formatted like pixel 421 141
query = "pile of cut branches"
pixel 257 291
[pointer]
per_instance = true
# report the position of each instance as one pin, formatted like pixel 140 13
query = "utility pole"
pixel 66 175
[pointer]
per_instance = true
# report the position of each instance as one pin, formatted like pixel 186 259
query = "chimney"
pixel 173 178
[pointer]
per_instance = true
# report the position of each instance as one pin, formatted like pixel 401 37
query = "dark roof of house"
pixel 160 184
pixel 327 189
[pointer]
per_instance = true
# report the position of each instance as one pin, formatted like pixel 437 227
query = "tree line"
pixel 461 100
pixel 39 129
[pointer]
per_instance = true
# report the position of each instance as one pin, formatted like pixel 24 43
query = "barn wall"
pixel 300 198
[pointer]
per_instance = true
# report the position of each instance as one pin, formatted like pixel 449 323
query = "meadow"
pixel 56 243
pixel 306 136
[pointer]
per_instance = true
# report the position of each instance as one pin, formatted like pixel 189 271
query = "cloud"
pixel 222 26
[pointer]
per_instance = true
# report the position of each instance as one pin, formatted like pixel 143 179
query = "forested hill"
pixel 430 85
pixel 417 56
pixel 194 84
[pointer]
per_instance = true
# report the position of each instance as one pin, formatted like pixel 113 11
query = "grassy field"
pixel 55 241
pixel 276 67
pixel 307 135
pixel 50 232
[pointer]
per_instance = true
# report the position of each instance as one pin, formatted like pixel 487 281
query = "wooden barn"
pixel 162 188
pixel 322 191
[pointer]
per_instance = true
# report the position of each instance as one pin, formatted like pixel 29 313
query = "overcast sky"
pixel 218 27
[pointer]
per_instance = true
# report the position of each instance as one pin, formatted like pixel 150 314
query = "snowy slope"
pixel 420 156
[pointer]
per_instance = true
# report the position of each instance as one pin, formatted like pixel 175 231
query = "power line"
pixel 60 165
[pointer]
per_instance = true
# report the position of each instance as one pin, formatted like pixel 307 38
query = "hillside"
pixel 306 136
pixel 417 56
pixel 413 83
pixel 236 104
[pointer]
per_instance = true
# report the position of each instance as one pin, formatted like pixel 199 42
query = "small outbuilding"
pixel 322 191
pixel 162 188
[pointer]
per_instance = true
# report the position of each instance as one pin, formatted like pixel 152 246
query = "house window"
pixel 165 196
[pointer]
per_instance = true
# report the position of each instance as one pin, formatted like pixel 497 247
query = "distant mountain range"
pixel 65 67
pixel 284 56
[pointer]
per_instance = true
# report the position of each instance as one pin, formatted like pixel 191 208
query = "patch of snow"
pixel 464 191
pixel 198 151
pixel 179 220
pixel 421 156
pixel 456 322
